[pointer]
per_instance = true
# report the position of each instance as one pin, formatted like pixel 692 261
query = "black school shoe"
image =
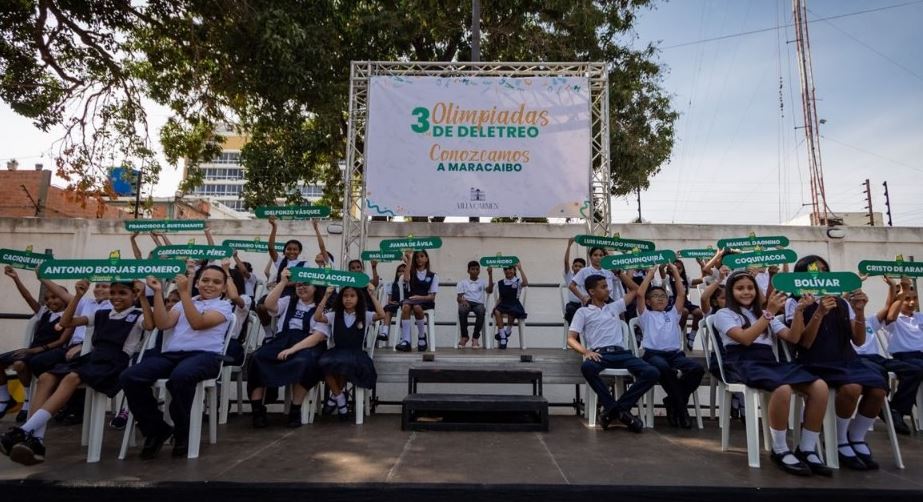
pixel 633 423
pixel 22 416
pixel 671 413
pixel 260 419
pixel 11 438
pixel 29 452
pixel 818 468
pixel 869 462
pixel 294 417
pixel 180 447
pixel 900 426
pixel 404 346
pixel 854 463
pixel 422 345
pixel 153 444
pixel 799 469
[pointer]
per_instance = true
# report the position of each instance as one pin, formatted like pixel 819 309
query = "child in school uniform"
pixel 472 296
pixel 398 292
pixel 346 325
pixel 904 329
pixel 46 337
pixel 908 375
pixel 748 334
pixel 687 308
pixel 571 268
pixel 508 304
pixel 825 350
pixel 357 267
pixel 679 375
pixel 295 324
pixel 576 285
pixel 116 336
pixel 423 284
pixel 190 354
pixel 603 347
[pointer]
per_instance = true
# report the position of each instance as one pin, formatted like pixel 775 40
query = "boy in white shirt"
pixel 472 295
pixel 603 347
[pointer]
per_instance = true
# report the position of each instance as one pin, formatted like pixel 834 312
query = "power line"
pixel 874 50
pixel 873 154
pixel 763 30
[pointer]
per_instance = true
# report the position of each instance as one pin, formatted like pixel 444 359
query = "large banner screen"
pixel 478 146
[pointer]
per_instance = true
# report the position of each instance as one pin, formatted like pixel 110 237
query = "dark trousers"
pixel 463 310
pixel 183 370
pixel 645 377
pixel 44 361
pixel 570 309
pixel 679 375
pixel 908 366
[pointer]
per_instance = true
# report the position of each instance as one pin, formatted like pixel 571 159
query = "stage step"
pixel 474 412
pixel 455 374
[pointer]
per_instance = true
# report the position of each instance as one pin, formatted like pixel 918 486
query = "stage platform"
pixel 330 460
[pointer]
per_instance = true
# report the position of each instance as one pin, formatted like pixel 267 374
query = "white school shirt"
pixel 906 333
pixel 726 319
pixel 348 320
pixel 133 341
pixel 240 314
pixel 870 347
pixel 581 276
pixel 86 307
pixel 660 329
pixel 600 327
pixel 762 282
pixel 184 338
pixel 568 278
pixel 473 291
pixel 297 262
pixel 250 285
pixel 433 286
pixel 295 323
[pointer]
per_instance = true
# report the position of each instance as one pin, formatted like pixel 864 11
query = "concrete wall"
pixel 540 247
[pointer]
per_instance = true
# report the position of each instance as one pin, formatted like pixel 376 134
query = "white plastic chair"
pixel 204 389
pixel 916 416
pixel 27 334
pixel 619 375
pixel 713 382
pixel 361 395
pixel 756 404
pixel 228 373
pixel 649 411
pixel 519 323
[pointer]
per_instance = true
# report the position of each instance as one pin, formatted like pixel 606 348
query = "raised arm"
pixel 642 290
pixel 148 320
pixel 858 300
pixel 522 273
pixel 379 312
pixel 376 279
pixel 570 242
pixel 747 336
pixel 233 294
pixel 68 320
pixel 163 319
pixel 319 311
pixel 208 235
pixel 23 291
pixel 241 267
pixel 631 288
pixel 490 281
pixel 59 291
pixel 714 261
pixel 320 242
pixel 272 299
pixel 706 296
pixel 882 315
pixel 680 293
pixel 273 254
pixel 135 249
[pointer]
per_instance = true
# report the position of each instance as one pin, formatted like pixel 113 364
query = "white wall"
pixel 540 248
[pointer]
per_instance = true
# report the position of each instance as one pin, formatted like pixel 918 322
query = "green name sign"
pixel 414 243
pixel 293 212
pixel 644 259
pixel 255 245
pixel 759 258
pixel 753 241
pixel 595 241
pixel 194 251
pixel 499 261
pixel 26 260
pixel 696 253
pixel 381 255
pixel 816 283
pixel 110 270
pixel 329 277
pixel 907 268
pixel 164 225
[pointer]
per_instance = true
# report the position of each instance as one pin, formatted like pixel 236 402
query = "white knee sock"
pixel 779 441
pixel 4 393
pixel 809 444
pixel 341 402
pixel 857 431
pixel 405 330
pixel 36 424
pixel 842 428
pixel 421 329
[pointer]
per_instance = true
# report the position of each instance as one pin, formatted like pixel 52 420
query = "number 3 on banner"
pixel 422 115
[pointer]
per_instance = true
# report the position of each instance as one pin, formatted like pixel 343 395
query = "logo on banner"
pixel 478 195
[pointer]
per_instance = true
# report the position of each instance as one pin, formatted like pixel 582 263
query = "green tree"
pixel 279 69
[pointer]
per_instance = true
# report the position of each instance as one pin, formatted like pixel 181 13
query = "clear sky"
pixel 736 158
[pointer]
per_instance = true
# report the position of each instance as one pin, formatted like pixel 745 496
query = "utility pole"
pixel 887 203
pixel 138 194
pixel 868 202
pixel 475 51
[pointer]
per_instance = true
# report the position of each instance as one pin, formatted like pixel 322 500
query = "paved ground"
pixel 379 452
